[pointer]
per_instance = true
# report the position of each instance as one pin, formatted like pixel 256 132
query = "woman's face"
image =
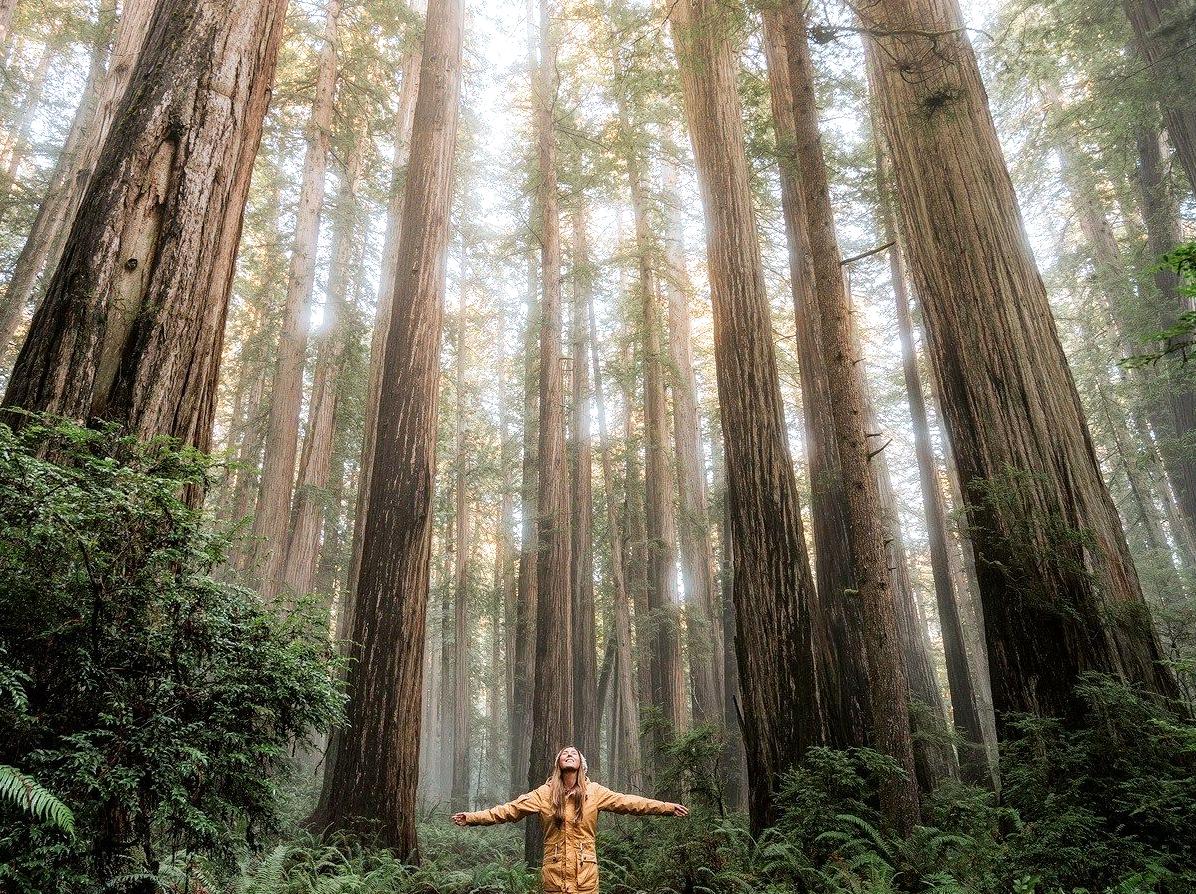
pixel 570 759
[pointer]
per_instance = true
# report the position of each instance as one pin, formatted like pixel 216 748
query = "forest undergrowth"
pixel 151 707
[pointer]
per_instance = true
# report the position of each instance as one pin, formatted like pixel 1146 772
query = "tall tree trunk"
pixel 311 490
pixel 843 684
pixel 372 781
pixel 973 756
pixel 736 760
pixel 525 607
pixel 271 521
pixel 586 707
pixel 552 700
pixel 636 546
pixel 1060 593
pixel 934 758
pixel 459 791
pixel 408 90
pixel 505 569
pixel 132 325
pixel 1174 415
pixel 107 80
pixel 661 528
pixel 869 604
pixel 626 741
pixel 773 587
pixel 1163 34
pixel 703 616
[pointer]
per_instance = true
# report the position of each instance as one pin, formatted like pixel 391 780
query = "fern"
pixel 25 791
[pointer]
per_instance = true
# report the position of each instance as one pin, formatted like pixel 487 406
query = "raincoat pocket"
pixel 587 871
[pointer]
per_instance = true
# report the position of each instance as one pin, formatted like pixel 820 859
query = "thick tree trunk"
pixel 973 757
pixel 132 325
pixel 552 699
pixel 107 80
pixel 626 741
pixel 459 790
pixel 586 708
pixel 703 622
pixel 372 781
pixel 271 520
pixel 773 587
pixel 311 490
pixel 1060 593
pixel 870 604
pixel 408 90
pixel 1163 35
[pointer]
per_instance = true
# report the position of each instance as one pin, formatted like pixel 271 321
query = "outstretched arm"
pixel 524 805
pixel 617 802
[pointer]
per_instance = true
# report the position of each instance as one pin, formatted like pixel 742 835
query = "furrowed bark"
pixel 1060 594
pixel 371 784
pixel 773 587
pixel 132 325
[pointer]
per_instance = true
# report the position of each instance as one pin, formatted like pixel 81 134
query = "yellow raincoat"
pixel 570 861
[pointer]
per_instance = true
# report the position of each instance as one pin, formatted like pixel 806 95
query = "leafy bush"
pixel 1109 808
pixel 156 703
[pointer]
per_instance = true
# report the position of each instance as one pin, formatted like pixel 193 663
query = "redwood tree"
pixel 375 768
pixel 552 699
pixel 132 325
pixel 272 516
pixel 773 587
pixel 1059 591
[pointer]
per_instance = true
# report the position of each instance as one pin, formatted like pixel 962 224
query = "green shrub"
pixel 156 703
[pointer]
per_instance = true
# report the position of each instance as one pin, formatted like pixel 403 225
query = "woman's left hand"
pixel 680 810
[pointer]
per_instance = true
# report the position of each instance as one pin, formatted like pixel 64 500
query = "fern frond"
pixel 26 792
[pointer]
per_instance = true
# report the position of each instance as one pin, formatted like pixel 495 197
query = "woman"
pixel 568 805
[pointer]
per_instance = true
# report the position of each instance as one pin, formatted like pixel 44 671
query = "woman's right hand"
pixel 459 819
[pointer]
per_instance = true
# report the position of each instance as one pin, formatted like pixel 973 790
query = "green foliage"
pixel 1176 339
pixel 26 793
pixel 1109 807
pixel 157 703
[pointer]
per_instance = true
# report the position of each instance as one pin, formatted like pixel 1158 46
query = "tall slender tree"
pixel 703 620
pixel 459 694
pixel 625 750
pixel 315 464
pixel 586 707
pixel 272 517
pixel 552 699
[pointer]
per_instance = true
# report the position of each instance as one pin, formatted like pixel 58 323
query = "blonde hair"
pixel 557 786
